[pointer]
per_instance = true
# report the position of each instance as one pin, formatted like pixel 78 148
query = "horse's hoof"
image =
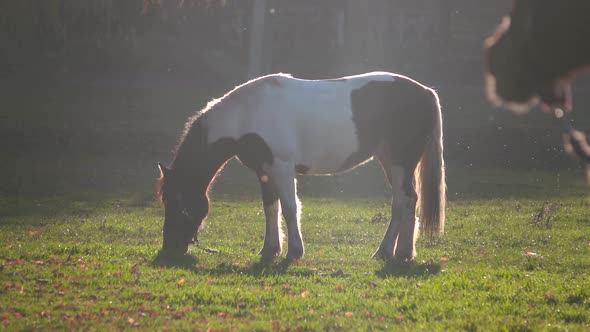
pixel 266 253
pixel 174 250
pixel 405 257
pixel 294 254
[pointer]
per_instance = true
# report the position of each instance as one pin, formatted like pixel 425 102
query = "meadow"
pixel 80 233
pixel 86 262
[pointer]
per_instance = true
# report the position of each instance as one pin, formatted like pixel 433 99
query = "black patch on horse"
pixel 395 115
pixel 254 152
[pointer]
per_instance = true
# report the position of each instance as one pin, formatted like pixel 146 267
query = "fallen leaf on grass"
pixel 56 260
pixel 147 296
pixel 181 281
pixel 91 297
pixel 132 322
pixel 305 293
pixel 35 233
pixel 348 314
pixel 339 287
pixel 68 318
pixel 42 281
pixel 13 262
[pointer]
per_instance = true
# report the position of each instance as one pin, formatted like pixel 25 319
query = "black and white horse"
pixel 280 126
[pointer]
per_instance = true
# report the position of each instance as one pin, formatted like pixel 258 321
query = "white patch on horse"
pixel 293 115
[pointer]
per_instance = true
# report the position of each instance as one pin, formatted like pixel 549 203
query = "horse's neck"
pixel 199 161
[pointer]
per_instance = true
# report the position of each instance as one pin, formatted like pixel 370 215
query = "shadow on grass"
pixel 263 267
pixel 398 268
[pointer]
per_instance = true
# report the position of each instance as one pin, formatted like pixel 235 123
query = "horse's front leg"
pixel 273 236
pixel 399 203
pixel 283 177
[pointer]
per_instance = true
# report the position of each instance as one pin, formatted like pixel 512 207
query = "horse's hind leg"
pixel 283 176
pixel 408 232
pixel 273 236
pixel 401 208
pixel 395 175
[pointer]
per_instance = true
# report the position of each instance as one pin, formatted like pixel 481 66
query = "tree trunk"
pixel 256 57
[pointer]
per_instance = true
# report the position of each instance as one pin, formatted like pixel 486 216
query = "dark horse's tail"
pixel 430 178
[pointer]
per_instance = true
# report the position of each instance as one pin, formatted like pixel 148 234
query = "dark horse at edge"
pixel 533 57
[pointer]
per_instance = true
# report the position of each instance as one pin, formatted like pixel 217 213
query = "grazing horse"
pixel 280 126
pixel 534 55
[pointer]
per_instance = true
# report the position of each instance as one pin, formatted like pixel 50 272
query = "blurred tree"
pixel 257 40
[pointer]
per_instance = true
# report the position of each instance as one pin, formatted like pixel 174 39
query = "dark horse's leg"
pixel 273 236
pixel 283 176
pixel 408 231
pixel 402 226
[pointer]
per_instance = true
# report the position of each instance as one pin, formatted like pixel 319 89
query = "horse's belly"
pixel 325 147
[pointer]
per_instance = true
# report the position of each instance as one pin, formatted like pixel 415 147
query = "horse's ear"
pixel 164 171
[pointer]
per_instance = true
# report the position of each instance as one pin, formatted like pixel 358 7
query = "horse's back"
pixel 313 123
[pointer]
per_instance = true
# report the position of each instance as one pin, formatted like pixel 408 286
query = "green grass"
pixel 91 262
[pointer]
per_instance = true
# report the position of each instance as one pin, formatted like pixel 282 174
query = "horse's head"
pixel 185 209
pixel 534 52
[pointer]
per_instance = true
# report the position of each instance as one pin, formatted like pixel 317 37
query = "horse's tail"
pixel 430 177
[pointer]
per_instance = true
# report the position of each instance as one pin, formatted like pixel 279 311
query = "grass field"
pixel 80 230
pixel 91 262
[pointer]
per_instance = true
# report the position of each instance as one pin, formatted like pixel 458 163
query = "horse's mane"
pixel 193 137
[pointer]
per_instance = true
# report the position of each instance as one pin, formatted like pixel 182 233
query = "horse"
pixel 536 52
pixel 533 57
pixel 280 127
